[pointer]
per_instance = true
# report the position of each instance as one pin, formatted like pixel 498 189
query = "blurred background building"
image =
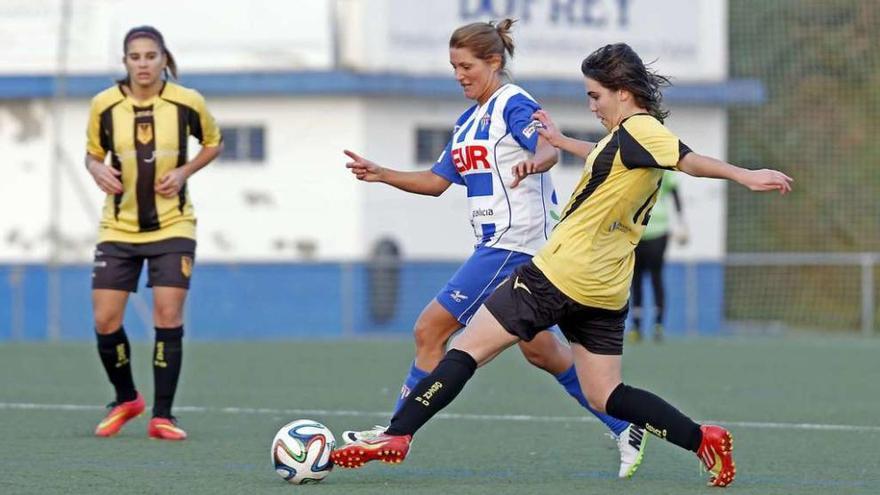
pixel 288 240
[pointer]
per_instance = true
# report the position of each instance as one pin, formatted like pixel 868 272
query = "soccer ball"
pixel 301 451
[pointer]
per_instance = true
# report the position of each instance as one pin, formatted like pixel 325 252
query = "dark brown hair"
pixel 485 39
pixel 618 66
pixel 151 33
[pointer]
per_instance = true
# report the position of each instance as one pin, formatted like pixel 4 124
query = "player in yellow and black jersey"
pixel 580 279
pixel 137 153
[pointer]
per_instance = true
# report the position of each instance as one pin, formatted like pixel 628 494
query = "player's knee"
pixel 167 316
pixel 107 322
pixel 597 404
pixel 428 341
pixel 598 399
pixel 535 358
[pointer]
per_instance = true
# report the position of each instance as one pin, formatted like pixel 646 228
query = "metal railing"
pixel 867 262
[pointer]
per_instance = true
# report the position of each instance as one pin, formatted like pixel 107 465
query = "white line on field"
pixel 469 417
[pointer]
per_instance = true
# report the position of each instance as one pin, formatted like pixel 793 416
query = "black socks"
pixel 115 353
pixel 167 358
pixel 433 393
pixel 645 409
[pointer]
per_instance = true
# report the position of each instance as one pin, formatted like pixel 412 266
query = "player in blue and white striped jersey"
pixel 500 158
pixel 488 141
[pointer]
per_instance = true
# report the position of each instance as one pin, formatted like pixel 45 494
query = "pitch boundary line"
pixel 21 406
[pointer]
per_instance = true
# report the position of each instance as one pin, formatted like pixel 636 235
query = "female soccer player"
pixel 496 152
pixel 650 256
pixel 580 278
pixel 142 124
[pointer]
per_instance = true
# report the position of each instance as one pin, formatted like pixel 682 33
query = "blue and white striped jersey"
pixel 487 142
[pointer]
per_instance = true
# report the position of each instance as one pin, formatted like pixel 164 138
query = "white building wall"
pixel 303 195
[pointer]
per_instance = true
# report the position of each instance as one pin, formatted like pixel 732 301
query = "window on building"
pixel 569 160
pixel 430 142
pixel 243 144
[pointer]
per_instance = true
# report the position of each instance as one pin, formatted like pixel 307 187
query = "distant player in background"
pixel 580 279
pixel 498 155
pixel 142 125
pixel 650 256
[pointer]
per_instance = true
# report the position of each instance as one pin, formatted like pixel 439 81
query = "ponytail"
pixel 485 39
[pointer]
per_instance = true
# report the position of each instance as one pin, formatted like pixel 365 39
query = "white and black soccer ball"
pixel 301 451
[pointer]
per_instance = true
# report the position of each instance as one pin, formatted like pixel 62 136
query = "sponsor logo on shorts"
pixel 457 296
pixel 519 285
pixel 186 266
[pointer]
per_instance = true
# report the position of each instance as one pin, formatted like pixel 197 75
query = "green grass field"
pixel 805 413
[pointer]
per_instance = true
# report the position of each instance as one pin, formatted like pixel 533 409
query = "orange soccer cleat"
pixel 165 429
pixel 120 413
pixel 386 448
pixel 716 453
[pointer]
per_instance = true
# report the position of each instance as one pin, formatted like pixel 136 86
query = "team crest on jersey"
pixel 145 133
pixel 485 122
pixel 186 266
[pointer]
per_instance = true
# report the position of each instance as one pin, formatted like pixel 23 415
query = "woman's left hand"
pixel 171 183
pixel 522 170
pixel 767 180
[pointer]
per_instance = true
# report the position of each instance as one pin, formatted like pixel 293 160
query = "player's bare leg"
pixel 600 378
pixel 478 344
pixel 548 353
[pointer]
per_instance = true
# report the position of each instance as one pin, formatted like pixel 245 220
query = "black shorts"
pixel 528 303
pixel 118 264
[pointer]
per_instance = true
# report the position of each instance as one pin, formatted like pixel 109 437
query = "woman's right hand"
pixel 548 129
pixel 362 168
pixel 107 178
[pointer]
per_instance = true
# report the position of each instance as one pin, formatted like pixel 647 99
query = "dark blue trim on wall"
pixel 263 301
pixel 347 83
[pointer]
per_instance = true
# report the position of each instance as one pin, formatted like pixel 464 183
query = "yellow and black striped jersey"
pixel 589 255
pixel 145 140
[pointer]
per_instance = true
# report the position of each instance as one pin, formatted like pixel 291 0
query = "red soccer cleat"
pixel 165 429
pixel 716 453
pixel 120 413
pixel 386 448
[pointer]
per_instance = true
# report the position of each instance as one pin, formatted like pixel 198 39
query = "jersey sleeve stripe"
pixel 632 153
pixel 107 142
pixel 184 119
